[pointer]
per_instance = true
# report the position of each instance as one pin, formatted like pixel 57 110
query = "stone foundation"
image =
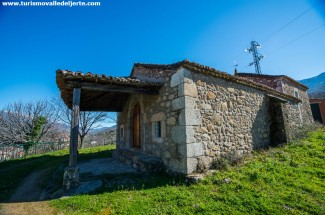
pixel 70 178
pixel 140 161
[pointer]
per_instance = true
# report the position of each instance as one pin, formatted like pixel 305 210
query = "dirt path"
pixel 29 189
pixel 27 208
pixel 25 200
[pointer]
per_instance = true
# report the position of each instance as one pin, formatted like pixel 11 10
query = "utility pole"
pixel 256 56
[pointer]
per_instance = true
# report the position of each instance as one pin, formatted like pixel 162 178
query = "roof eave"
pixel 67 80
pixel 194 67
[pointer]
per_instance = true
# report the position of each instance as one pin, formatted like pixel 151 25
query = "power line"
pixel 269 36
pixel 239 56
pixel 298 38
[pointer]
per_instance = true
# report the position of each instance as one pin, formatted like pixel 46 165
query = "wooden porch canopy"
pixel 101 92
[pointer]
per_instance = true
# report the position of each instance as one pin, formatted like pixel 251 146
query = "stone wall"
pixel 151 74
pixel 183 133
pixel 153 109
pixel 203 118
pixel 296 115
pixel 234 119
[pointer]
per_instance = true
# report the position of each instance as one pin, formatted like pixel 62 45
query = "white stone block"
pixel 178 77
pixel 183 134
pixel 191 165
pixel 187 89
pixel 178 165
pixel 183 102
pixel 194 149
pixel 189 116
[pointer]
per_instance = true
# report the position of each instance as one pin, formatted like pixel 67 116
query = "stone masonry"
pixel 234 119
pixel 296 114
pixel 203 118
pixel 183 117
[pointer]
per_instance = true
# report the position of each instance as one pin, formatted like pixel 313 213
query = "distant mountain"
pixel 316 86
pixel 61 127
pixel 103 129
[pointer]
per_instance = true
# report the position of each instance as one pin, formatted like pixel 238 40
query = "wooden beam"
pixel 103 109
pixel 102 101
pixel 73 153
pixel 91 98
pixel 114 88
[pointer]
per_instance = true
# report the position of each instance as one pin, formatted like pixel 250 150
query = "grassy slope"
pixel 284 180
pixel 14 171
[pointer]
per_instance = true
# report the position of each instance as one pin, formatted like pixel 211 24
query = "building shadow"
pixel 268 127
pixel 40 178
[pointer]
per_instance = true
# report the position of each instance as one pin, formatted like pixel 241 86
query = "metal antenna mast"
pixel 256 56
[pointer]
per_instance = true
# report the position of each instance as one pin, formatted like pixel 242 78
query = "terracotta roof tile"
pixel 96 100
pixel 69 75
pixel 62 76
pixel 206 70
pixel 274 77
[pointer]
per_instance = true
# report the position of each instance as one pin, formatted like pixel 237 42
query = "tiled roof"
pixel 206 70
pixel 64 78
pixel 161 66
pixel 115 90
pixel 69 75
pixel 274 77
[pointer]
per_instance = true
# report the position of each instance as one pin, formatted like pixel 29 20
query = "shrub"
pixel 233 158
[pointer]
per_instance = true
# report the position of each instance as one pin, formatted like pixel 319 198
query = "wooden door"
pixel 136 126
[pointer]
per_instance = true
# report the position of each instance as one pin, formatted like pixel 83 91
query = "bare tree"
pixel 88 120
pixel 26 122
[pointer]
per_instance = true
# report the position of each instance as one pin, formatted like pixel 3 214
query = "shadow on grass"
pixel 137 181
pixel 14 172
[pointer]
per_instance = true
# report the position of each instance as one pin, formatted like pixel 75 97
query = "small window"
pixel 157 127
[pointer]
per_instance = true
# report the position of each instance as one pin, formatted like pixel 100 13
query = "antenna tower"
pixel 256 56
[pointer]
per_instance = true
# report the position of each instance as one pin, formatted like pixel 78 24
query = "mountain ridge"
pixel 316 86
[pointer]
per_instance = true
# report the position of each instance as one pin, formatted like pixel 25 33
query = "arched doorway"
pixel 136 126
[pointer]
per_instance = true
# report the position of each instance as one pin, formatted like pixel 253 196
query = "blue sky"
pixel 36 41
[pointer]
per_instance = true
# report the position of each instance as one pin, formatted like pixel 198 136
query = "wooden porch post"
pixel 71 173
pixel 73 153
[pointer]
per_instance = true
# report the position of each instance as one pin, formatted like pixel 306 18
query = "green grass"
pixel 14 171
pixel 283 180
